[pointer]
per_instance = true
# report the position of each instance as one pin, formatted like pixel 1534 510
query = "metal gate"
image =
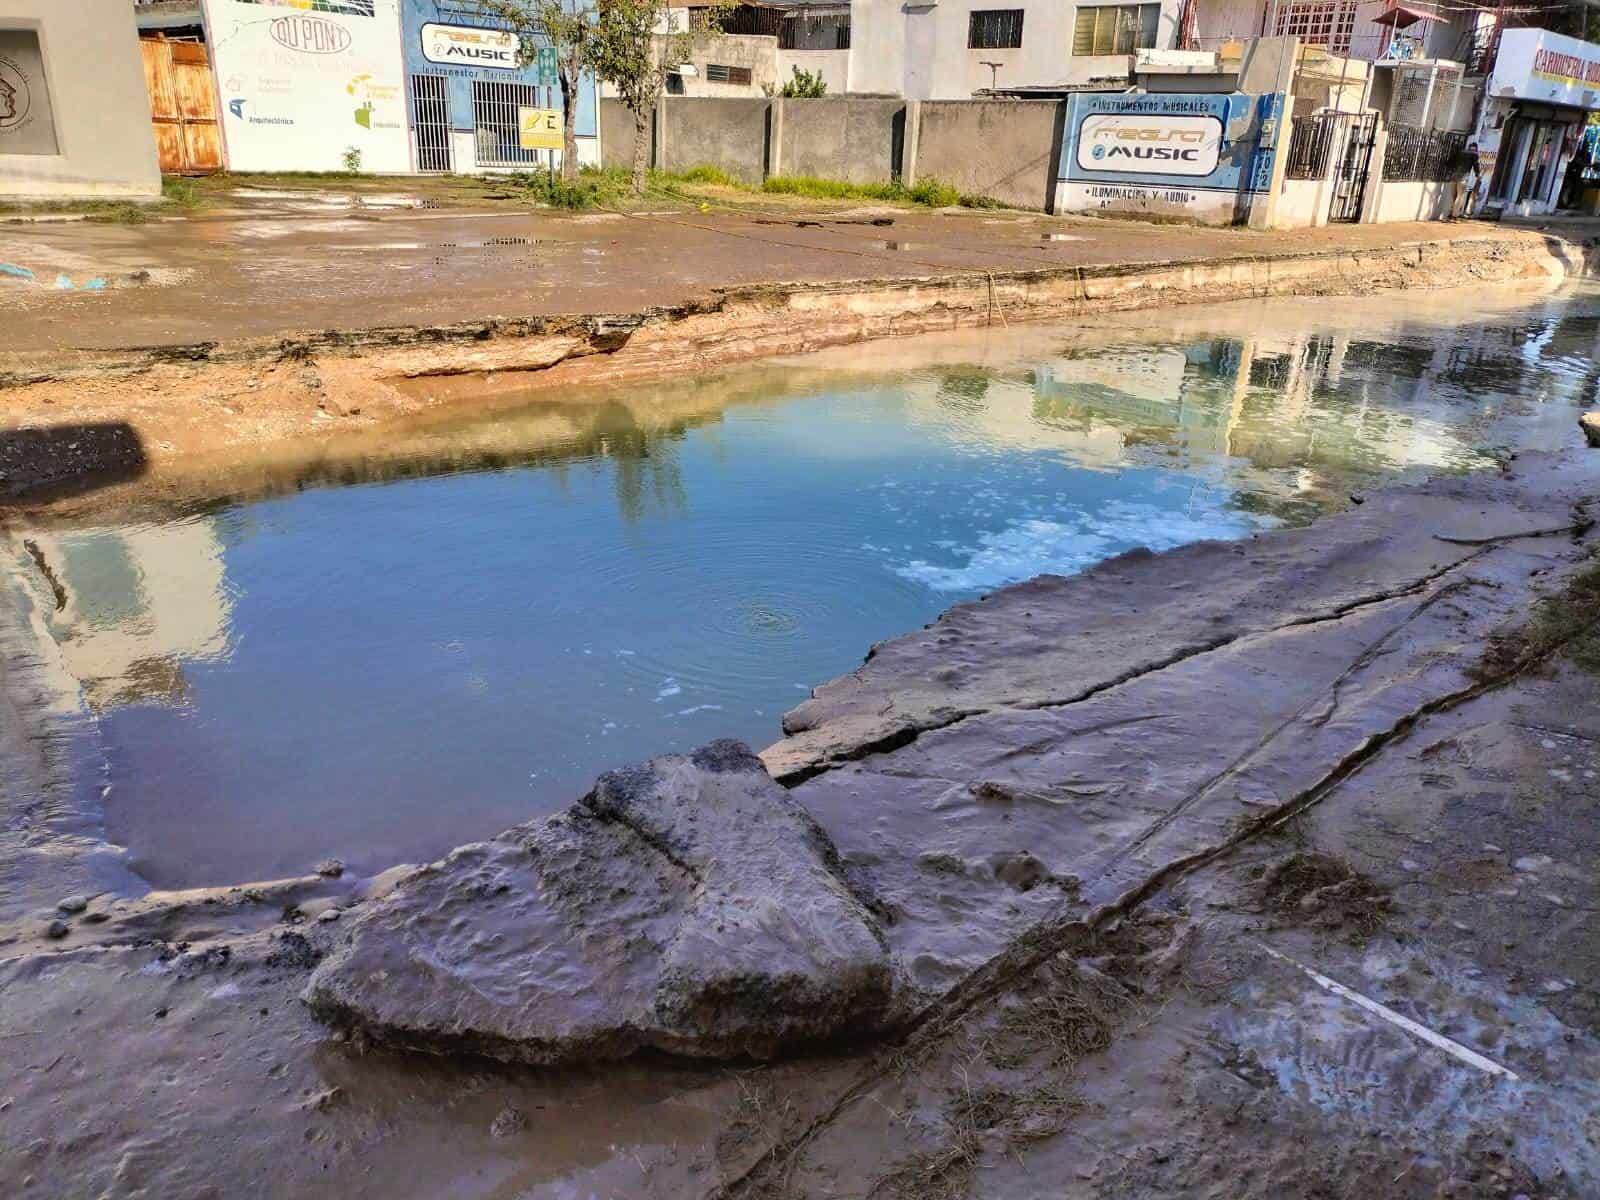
pixel 1355 161
pixel 495 126
pixel 183 106
pixel 430 104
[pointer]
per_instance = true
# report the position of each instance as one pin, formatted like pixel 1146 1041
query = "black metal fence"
pixel 1423 155
pixel 1311 141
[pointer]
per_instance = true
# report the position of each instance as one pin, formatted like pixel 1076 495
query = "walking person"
pixel 1465 202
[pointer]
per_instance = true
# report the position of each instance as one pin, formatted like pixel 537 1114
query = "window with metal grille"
pixel 718 73
pixel 495 126
pixel 430 106
pixel 1115 29
pixel 1318 22
pixel 994 29
pixel 1424 155
pixel 803 31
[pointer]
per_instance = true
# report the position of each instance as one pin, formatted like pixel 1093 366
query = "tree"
pixel 635 47
pixel 567 26
pixel 806 85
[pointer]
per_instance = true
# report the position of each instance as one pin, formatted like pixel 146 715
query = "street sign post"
pixel 546 61
pixel 539 128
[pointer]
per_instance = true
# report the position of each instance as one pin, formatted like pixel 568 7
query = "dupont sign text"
pixel 310 87
pixel 1196 156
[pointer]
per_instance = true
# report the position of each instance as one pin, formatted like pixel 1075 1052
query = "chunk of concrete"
pixel 687 905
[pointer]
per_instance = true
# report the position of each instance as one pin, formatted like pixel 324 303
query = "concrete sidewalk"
pixel 298 265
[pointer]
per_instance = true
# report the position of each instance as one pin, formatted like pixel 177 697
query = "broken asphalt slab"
pixel 686 905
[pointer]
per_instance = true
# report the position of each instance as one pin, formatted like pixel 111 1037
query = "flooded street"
pixel 477 623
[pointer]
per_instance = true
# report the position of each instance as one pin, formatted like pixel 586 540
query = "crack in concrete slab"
pixel 1047 939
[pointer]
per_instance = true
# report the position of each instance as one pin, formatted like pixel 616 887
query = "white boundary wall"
pixel 299 89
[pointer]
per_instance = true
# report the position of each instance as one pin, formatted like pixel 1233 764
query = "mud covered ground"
pixel 1253 869
pixel 273 328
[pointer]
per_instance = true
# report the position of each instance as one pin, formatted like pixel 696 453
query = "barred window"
pixel 994 29
pixel 1115 29
pixel 1318 22
pixel 718 73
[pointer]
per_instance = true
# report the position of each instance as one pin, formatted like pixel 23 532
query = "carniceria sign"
pixel 462 45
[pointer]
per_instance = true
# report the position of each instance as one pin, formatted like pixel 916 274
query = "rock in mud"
pixel 687 905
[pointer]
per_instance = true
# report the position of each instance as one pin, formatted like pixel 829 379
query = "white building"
pixel 944 50
pixel 952 49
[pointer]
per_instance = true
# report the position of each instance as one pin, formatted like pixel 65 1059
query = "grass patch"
pixel 594 188
pixel 942 1174
pixel 930 193
pixel 181 192
pixel 705 173
pixel 1073 1019
pixel 1569 623
pixel 1322 890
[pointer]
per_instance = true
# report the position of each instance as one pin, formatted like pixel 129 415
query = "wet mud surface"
pixel 1302 908
pixel 193 388
pixel 275 270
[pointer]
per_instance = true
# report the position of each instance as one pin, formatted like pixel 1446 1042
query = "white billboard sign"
pixel 463 46
pixel 310 85
pixel 1155 144
pixel 1535 64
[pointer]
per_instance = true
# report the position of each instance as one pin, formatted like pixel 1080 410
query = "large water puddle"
pixel 436 634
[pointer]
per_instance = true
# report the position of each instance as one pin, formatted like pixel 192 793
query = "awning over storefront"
pixel 1401 16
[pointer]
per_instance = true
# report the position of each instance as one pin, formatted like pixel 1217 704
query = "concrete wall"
pixel 1303 203
pixel 731 134
pixel 1406 201
pixel 853 140
pixel 999 148
pixel 832 65
pixel 616 134
pixel 758 54
pixel 79 115
pixel 919 50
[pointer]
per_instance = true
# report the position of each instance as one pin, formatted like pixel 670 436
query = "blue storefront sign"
pixel 1206 157
pixel 466 88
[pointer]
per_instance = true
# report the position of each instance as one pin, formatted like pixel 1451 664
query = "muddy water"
pixel 487 613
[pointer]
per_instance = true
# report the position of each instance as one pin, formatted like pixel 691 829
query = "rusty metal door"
pixel 1354 165
pixel 183 106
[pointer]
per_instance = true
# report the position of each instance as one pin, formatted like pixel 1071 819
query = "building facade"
pixel 74 117
pixel 1536 104
pixel 466 81
pixel 310 87
pixel 954 49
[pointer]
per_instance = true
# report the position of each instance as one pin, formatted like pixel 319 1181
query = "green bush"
pixel 595 187
pixel 805 85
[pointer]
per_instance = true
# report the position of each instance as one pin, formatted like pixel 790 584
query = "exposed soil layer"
pixel 1300 903
pixel 74 419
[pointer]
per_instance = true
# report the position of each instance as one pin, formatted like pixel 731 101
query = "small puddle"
pixel 493 610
